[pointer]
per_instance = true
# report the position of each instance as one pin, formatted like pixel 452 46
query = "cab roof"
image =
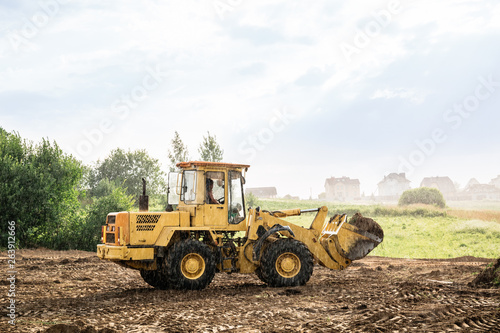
pixel 185 165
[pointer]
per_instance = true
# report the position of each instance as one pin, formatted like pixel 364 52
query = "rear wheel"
pixel 190 265
pixel 155 279
pixel 286 262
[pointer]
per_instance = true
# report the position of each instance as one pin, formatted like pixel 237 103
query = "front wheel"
pixel 285 263
pixel 190 265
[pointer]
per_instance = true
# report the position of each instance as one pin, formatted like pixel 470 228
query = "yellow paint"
pixel 288 265
pixel 111 252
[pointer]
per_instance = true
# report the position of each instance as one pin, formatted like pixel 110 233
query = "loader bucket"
pixel 358 237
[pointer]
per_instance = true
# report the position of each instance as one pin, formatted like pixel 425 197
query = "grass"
pixel 484 215
pixel 438 237
pixel 417 231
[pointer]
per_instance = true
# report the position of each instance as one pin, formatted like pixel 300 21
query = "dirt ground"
pixel 74 291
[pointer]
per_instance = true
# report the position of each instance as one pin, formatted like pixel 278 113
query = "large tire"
pixel 190 265
pixel 155 279
pixel 258 272
pixel 285 263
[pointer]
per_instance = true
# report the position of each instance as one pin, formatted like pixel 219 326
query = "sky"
pixel 300 91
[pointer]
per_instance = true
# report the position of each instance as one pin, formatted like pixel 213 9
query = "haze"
pixel 301 91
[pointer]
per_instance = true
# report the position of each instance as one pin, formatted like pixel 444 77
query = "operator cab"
pixel 212 192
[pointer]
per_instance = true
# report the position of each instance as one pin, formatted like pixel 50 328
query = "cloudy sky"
pixel 300 90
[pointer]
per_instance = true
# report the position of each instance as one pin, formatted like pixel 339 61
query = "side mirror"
pixel 243 180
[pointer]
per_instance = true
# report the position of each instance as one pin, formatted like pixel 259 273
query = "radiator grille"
pixel 111 219
pixel 147 219
pixel 147 222
pixel 146 227
pixel 110 238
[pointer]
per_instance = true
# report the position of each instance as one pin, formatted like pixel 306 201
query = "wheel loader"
pixel 210 231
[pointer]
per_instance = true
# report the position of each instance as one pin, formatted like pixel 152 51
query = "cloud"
pixel 314 77
pixel 229 75
pixel 413 96
pixel 257 35
pixel 256 68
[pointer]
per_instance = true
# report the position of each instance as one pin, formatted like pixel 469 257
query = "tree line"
pixel 60 203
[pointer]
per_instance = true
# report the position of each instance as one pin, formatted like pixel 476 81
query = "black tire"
pixel 286 263
pixel 190 265
pixel 155 279
pixel 258 272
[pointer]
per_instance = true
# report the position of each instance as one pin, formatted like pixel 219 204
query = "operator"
pixel 209 195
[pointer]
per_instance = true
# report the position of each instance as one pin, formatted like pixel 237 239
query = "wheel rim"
pixel 288 265
pixel 193 266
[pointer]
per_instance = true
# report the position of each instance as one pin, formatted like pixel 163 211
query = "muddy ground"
pixel 74 291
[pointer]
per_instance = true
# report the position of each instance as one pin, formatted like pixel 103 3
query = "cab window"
pixel 191 191
pixel 214 188
pixel 236 212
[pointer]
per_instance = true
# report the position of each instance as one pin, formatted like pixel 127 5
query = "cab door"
pixel 215 199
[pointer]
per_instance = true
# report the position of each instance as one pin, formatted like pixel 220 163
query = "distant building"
pixel 291 197
pixel 393 185
pixel 262 192
pixel 481 192
pixel 443 184
pixel 495 182
pixel 472 182
pixel 342 189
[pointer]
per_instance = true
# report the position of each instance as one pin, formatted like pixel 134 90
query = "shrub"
pixel 422 195
pixel 37 190
pixel 89 231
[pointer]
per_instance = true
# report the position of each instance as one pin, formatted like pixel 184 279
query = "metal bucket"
pixel 353 243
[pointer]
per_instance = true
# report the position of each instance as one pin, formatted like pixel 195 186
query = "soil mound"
pixel 489 278
pixel 367 224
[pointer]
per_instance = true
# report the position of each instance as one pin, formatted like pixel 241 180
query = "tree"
pixel 86 234
pixel 126 169
pixel 38 190
pixel 179 152
pixel 423 195
pixel 251 200
pixel 210 150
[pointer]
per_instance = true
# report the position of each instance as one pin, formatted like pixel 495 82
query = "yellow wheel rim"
pixel 193 266
pixel 288 265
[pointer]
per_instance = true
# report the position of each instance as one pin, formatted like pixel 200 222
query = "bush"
pixel 37 190
pixel 422 195
pixel 88 232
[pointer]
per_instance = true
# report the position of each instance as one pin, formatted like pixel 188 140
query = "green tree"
pixel 178 153
pixel 210 150
pixel 86 234
pixel 423 195
pixel 126 169
pixel 38 190
pixel 251 200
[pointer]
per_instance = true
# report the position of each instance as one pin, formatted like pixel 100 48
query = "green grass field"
pixel 417 232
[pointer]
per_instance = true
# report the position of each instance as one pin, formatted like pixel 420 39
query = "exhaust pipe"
pixel 143 199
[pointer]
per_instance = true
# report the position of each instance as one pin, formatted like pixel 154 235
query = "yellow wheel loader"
pixel 210 231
